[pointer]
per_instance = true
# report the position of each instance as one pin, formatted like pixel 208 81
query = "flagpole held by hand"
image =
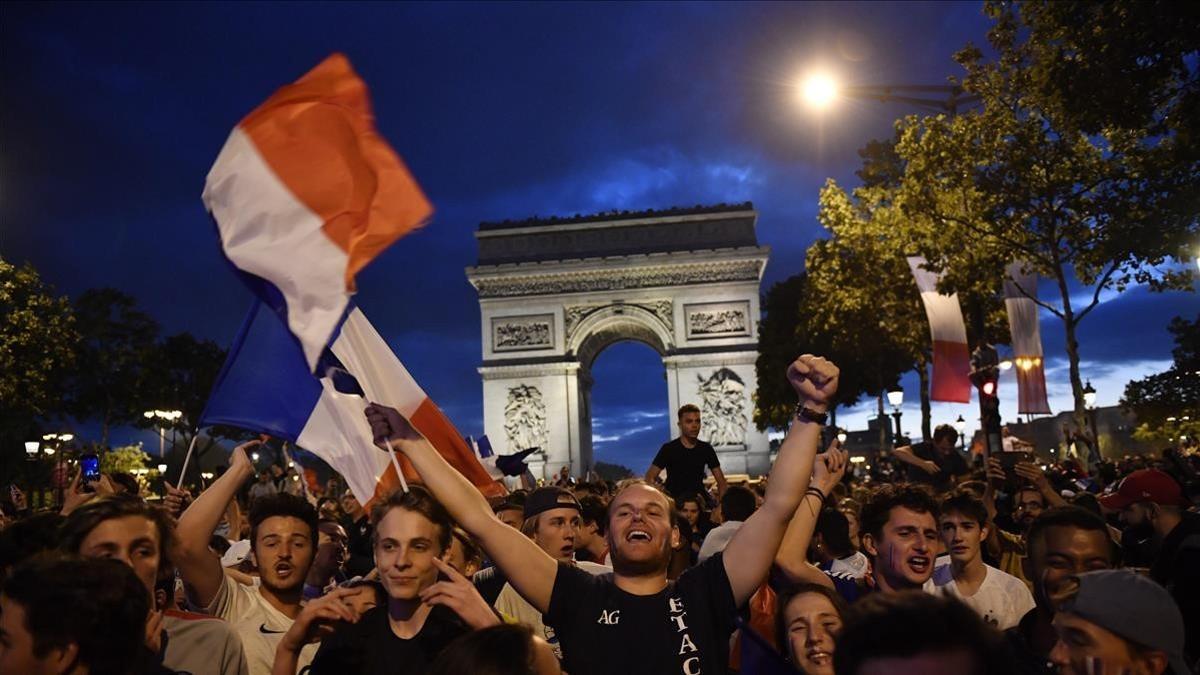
pixel 187 458
pixel 396 463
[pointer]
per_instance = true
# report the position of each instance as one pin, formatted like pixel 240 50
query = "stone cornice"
pixel 525 280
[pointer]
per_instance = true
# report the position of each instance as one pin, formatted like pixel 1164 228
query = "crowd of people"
pixel 1006 567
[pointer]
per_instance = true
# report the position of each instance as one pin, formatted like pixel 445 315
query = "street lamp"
pixel 896 398
pixel 164 416
pixel 841 437
pixel 1089 402
pixel 31 450
pixel 961 425
pixel 1089 395
pixel 820 89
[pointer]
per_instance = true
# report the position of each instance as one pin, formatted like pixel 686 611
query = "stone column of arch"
pixel 555 293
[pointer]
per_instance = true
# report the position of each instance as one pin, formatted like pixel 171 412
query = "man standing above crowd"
pixel 935 463
pixel 636 621
pixel 1001 599
pixel 283 538
pixel 1152 506
pixel 684 459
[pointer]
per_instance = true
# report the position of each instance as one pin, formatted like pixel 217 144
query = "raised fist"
pixel 814 379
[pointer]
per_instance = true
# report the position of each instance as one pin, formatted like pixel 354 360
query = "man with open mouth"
pixel 283 540
pixel 635 620
pixel 899 535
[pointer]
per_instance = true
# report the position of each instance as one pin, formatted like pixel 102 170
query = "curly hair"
pixel 285 506
pixel 878 507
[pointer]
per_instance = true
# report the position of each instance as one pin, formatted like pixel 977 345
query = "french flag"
pixel 951 360
pixel 266 386
pixel 305 193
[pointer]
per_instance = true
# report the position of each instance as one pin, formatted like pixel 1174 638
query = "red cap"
pixel 1146 485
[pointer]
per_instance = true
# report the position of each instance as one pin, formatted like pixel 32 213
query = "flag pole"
pixel 188 457
pixel 396 463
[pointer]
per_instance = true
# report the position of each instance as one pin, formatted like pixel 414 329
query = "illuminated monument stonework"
pixel 553 293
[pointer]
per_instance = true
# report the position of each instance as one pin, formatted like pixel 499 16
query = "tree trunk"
pixel 1084 434
pixel 884 425
pixel 926 413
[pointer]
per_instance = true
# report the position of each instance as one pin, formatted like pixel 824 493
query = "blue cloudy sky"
pixel 114 112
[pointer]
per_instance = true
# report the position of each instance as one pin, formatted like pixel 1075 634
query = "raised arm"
pixel 792 558
pixel 199 565
pixel 528 567
pixel 749 555
pixel 905 454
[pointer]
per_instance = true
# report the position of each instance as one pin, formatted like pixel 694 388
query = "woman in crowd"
pixel 807 623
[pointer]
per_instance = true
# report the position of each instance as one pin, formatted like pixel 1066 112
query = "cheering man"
pixel 635 620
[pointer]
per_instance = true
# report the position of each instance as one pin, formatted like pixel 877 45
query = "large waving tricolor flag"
pixel 305 193
pixel 1020 290
pixel 265 386
pixel 951 360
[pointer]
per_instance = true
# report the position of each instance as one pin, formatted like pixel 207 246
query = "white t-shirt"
pixel 1001 600
pixel 257 623
pixel 718 538
pixel 511 604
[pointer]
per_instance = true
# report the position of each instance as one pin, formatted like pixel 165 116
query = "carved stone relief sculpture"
pixel 522 332
pixel 723 407
pixel 717 320
pixel 525 422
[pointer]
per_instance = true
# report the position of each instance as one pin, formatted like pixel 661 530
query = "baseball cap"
pixel 1145 485
pixel 1133 607
pixel 545 498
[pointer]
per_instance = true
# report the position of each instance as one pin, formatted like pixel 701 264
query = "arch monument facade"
pixel 554 293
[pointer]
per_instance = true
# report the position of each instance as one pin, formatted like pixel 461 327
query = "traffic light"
pixel 985 372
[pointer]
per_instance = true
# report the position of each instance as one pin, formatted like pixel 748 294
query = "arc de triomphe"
pixel 554 293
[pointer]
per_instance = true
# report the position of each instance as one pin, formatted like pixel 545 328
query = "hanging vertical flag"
pixel 265 386
pixel 951 360
pixel 1020 290
pixel 305 193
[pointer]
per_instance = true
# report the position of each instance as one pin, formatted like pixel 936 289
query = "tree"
pixel 37 344
pixel 115 357
pixel 788 329
pixel 1168 404
pixel 184 369
pixel 1045 176
pixel 37 349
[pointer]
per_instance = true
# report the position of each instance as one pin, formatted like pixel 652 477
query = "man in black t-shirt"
pixel 684 459
pixel 935 463
pixel 422 614
pixel 635 621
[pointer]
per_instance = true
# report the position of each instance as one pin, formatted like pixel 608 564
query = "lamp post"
pixel 896 398
pixel 163 416
pixel 1089 402
pixel 961 425
pixel 54 445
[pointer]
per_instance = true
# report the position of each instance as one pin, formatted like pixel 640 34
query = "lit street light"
pixel 961 425
pixel 163 416
pixel 819 90
pixel 896 398
pixel 841 437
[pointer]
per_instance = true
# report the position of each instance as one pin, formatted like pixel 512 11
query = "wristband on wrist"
pixel 312 592
pixel 807 414
pixel 816 491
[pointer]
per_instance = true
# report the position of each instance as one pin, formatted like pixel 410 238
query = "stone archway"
pixel 554 294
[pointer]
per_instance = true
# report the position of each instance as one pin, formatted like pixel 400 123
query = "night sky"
pixel 113 114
